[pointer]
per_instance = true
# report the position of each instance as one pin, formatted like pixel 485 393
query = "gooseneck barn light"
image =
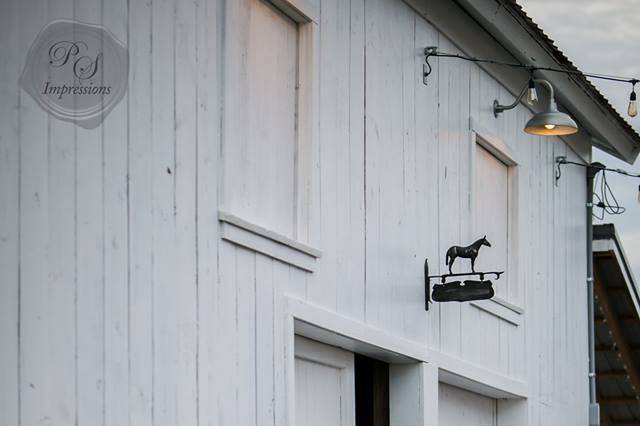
pixel 550 115
pixel 549 122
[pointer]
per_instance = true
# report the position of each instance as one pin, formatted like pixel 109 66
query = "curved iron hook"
pixel 427 68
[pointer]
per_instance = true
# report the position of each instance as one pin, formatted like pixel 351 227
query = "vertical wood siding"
pixel 119 304
pixel 107 312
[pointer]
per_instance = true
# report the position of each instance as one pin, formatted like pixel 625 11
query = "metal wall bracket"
pixel 559 160
pixel 426 67
pixel 427 285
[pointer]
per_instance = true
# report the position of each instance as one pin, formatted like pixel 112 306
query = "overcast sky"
pixel 603 37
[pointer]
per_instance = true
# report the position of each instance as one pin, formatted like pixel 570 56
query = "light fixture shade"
pixel 551 123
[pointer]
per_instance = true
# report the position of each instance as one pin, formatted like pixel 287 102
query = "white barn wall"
pixel 108 309
pixel 119 302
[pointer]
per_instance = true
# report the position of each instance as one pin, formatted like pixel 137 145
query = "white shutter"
pixel 259 146
pixel 491 214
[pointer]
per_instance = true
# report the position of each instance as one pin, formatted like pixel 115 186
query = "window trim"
pixel 268 242
pixel 301 11
pixel 308 129
pixel 497 147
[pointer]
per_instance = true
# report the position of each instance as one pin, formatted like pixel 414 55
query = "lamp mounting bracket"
pixel 426 67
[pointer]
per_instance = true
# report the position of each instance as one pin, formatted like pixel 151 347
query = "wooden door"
pixel 458 407
pixel 324 385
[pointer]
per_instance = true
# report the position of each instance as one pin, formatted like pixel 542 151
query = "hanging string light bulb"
pixel 633 105
pixel 532 95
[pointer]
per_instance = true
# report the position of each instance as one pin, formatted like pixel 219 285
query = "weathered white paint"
pixel 120 303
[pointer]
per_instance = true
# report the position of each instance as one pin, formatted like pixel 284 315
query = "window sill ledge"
pixel 502 309
pixel 268 242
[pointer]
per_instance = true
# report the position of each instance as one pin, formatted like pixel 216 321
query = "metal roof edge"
pixel 509 24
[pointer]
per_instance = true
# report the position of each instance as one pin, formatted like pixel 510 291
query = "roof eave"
pixel 505 21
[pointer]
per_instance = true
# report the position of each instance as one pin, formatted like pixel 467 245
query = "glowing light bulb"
pixel 633 105
pixel 532 95
pixel 549 126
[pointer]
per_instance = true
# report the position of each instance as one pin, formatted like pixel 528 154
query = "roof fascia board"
pixel 594 117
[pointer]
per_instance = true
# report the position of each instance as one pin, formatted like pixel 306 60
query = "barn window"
pixel 266 115
pixel 495 213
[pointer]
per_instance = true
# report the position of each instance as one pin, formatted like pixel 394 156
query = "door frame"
pixel 413 383
pixel 414 372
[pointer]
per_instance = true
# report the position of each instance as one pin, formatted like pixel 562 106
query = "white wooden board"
pixel 324 385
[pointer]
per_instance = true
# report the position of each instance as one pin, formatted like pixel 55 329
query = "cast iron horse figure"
pixel 468 252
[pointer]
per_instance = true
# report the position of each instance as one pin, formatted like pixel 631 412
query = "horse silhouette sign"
pixel 468 252
pixel 460 291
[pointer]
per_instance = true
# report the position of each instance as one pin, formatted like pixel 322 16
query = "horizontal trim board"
pixel 492 143
pixel 500 309
pixel 254 237
pixel 331 328
pixel 465 375
pixel 301 11
pixel 325 326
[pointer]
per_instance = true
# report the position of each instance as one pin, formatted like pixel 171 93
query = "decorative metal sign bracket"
pixel 460 291
pixel 457 285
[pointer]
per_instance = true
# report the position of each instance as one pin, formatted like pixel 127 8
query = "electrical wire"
pixel 530 68
pixel 603 195
pixel 606 199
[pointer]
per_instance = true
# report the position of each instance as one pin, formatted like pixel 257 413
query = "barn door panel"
pixel 458 407
pixel 324 385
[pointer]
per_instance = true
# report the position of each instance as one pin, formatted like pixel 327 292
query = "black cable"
pixel 612 206
pixel 607 200
pixel 619 171
pixel 530 68
pixel 603 195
